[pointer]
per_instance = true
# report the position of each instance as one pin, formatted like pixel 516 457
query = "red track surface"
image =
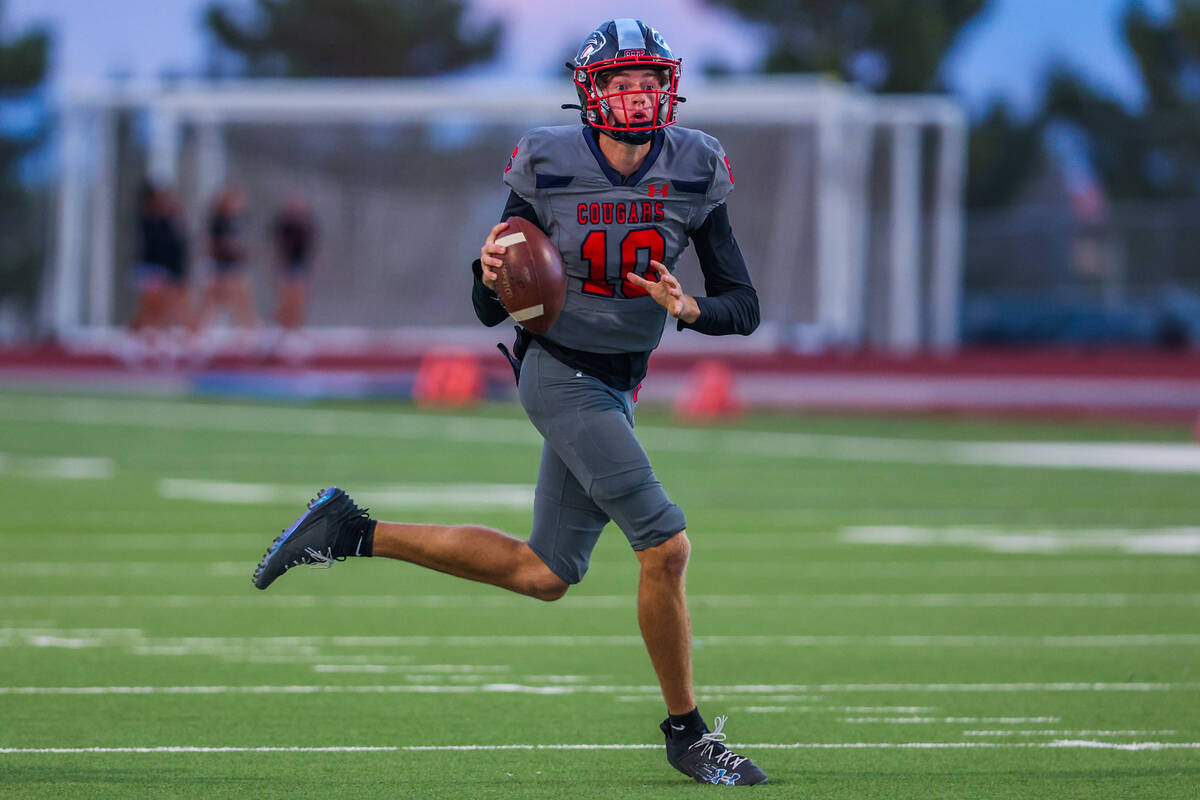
pixel 1127 384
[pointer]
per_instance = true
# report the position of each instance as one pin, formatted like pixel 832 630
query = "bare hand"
pixel 668 293
pixel 491 256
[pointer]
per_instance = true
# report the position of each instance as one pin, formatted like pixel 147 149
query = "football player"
pixel 620 196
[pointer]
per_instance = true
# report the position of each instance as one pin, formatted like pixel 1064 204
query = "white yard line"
pixel 950 720
pixel 510 688
pixel 458 495
pixel 1178 540
pixel 1164 458
pixel 71 468
pixel 455 669
pixel 770 709
pixel 461 748
pixel 30 637
pixel 39 569
pixel 1068 733
pixel 878 709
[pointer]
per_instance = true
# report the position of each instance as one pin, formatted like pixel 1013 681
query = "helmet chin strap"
pixel 630 135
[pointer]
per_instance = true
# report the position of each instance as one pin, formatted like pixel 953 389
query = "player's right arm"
pixel 491 256
pixel 488 307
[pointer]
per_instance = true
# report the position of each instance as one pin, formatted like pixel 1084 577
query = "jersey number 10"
pixel 595 252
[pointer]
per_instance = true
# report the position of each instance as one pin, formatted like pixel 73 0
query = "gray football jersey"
pixel 605 226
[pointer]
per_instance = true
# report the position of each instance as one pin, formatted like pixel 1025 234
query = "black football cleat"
pixel 707 760
pixel 313 539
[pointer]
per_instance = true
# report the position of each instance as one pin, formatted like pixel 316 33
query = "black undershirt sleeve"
pixel 731 305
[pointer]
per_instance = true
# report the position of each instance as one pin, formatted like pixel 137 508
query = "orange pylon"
pixel 708 394
pixel 448 379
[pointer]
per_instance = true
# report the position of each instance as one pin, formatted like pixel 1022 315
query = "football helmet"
pixel 624 44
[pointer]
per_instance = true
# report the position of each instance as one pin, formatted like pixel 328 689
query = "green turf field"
pixel 882 611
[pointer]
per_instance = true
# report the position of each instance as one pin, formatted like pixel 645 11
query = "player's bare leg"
pixel 667 631
pixel 472 552
pixel 663 618
pixel 241 302
pixel 290 313
pixel 333 528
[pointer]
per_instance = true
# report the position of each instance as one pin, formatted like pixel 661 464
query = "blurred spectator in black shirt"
pixel 160 275
pixel 230 286
pixel 294 233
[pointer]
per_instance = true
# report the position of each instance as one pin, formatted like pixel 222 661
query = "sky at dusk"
pixel 1003 52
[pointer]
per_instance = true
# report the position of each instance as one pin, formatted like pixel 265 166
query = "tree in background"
pixel 898 46
pixel 1152 152
pixel 885 45
pixel 1004 151
pixel 351 38
pixel 22 70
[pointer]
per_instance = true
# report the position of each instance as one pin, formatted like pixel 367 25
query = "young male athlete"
pixel 620 196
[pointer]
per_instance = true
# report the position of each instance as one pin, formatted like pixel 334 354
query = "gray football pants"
pixel 593 468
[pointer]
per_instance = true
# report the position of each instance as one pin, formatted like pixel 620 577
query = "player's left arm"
pixel 731 304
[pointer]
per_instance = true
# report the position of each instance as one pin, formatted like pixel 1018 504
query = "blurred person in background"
pixel 230 287
pixel 294 235
pixel 160 275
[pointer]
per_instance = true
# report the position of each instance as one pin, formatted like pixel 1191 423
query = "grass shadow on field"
pixel 65 776
pixel 1043 774
pixel 60 781
pixel 121 782
pixel 1159 783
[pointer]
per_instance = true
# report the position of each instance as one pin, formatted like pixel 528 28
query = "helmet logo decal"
pixel 595 42
pixel 660 41
pixel 628 53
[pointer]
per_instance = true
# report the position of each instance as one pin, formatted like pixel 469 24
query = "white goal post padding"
pixel 848 208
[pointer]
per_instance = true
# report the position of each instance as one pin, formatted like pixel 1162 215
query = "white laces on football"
pixel 727 758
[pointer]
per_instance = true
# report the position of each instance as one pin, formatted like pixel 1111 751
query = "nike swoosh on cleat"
pixel 675 727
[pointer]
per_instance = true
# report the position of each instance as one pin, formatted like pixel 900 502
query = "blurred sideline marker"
pixel 448 379
pixel 708 394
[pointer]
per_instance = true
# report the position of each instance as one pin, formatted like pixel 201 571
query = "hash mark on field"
pixel 877 709
pixel 1068 733
pixel 461 748
pixel 430 668
pixel 951 720
pixel 457 495
pixel 1157 541
pixel 71 468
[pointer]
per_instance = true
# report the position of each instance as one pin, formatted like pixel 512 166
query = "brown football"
pixel 531 283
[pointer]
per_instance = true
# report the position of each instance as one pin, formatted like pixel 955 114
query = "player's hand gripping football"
pixel 491 256
pixel 668 293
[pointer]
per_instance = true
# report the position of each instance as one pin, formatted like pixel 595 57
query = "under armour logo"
pixel 721 777
pixel 654 188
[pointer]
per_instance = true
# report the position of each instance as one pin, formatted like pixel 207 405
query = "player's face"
pixel 633 95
